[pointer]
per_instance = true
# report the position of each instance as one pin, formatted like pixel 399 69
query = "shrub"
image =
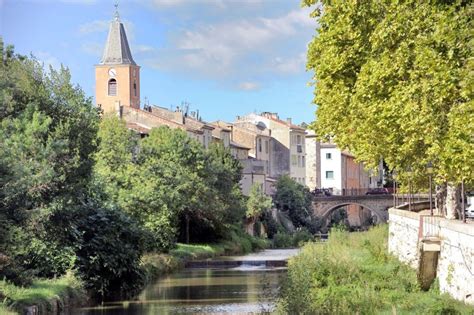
pixel 108 258
pixel 301 236
pixel 107 244
pixel 271 225
pixel 282 240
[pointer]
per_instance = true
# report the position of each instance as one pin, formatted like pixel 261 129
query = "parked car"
pixel 322 192
pixel 377 191
pixel 470 206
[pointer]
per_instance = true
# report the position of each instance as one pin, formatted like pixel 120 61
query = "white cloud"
pixel 94 27
pixel 79 1
pixel 142 49
pixel 102 26
pixel 94 49
pixel 249 86
pixel 257 46
pixel 290 65
pixel 221 4
pixel 47 60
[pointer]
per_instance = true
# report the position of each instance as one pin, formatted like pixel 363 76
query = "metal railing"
pixel 429 226
pixel 351 191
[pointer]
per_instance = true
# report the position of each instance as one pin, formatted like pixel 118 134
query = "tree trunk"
pixel 440 199
pixel 187 229
pixel 453 206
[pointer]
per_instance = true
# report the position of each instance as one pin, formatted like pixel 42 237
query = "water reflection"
pixel 242 290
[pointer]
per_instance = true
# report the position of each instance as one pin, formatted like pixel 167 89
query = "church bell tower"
pixel 117 76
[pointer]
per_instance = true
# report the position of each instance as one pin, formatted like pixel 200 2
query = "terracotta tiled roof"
pixel 139 128
pixel 238 146
pixel 290 125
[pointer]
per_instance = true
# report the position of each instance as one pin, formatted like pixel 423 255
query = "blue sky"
pixel 224 57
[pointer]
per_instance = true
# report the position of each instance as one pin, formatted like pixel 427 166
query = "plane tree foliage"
pixel 394 80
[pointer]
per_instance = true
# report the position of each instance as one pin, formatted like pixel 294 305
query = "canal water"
pixel 249 288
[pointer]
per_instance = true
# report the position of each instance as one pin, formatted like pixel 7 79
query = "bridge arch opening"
pixel 328 211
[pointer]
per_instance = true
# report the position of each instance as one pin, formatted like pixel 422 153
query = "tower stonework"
pixel 117 76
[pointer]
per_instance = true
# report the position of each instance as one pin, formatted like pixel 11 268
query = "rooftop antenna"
pixel 116 15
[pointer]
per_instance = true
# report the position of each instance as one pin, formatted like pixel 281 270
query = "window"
pixel 266 146
pixel 259 145
pixel 328 156
pixel 298 139
pixel 135 88
pixel 299 161
pixel 329 175
pixel 293 159
pixel 303 162
pixel 134 73
pixel 112 87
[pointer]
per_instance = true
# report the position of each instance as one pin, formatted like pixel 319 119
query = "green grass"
pixel 197 251
pixel 39 293
pixel 6 311
pixel 354 274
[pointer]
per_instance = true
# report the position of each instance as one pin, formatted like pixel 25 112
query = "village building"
pixel 286 146
pixel 313 160
pixel 118 92
pixel 337 171
pixel 256 164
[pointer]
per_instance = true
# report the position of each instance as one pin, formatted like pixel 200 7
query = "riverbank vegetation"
pixel 42 292
pixel 81 194
pixel 353 273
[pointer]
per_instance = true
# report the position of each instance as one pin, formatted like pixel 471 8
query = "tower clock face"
pixel 112 72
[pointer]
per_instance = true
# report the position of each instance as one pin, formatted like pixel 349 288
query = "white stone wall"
pixel 456 259
pixel 403 236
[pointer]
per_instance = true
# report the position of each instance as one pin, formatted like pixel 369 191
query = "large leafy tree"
pixel 225 174
pixel 47 138
pixel 394 80
pixel 257 203
pixel 295 200
pixel 167 180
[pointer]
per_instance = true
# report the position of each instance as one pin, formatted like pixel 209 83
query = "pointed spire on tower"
pixel 117 50
pixel 116 15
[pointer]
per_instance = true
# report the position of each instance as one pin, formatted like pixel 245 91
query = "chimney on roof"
pixel 271 115
pixel 288 120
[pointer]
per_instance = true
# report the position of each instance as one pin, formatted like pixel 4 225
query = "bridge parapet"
pixel 376 204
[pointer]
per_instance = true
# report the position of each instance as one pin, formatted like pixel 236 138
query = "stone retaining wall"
pixel 455 270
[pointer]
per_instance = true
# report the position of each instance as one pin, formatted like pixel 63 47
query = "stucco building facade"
pixel 286 146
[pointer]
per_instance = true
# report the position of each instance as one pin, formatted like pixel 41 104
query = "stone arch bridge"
pixel 376 204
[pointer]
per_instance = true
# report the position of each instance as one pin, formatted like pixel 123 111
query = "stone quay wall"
pixel 455 270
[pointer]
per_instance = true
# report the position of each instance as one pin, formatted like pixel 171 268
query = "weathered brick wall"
pixel 456 259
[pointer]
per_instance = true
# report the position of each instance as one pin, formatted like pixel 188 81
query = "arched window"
pixel 135 88
pixel 112 87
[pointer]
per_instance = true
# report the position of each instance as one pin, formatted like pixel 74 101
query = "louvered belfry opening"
pixel 112 87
